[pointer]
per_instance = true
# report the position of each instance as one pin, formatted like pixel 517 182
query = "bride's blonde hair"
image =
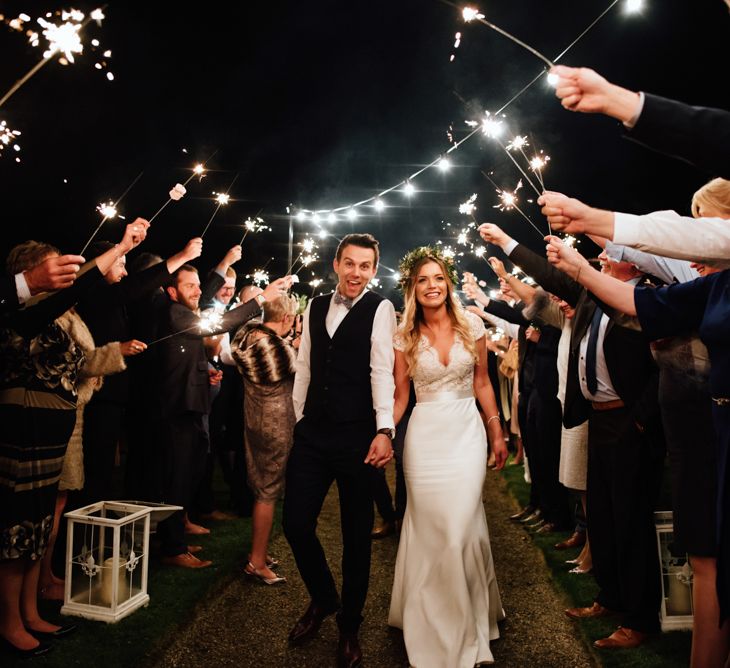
pixel 413 312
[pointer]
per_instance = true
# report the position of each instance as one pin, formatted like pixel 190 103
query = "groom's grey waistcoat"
pixel 339 386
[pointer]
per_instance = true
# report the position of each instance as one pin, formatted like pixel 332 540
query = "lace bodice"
pixel 430 375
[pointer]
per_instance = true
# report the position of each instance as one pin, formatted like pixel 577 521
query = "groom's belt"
pixel 451 395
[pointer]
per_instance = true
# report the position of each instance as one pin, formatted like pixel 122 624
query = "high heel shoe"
pixel 38 650
pixel 253 572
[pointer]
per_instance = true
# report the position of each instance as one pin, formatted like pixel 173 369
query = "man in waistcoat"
pixel 343 398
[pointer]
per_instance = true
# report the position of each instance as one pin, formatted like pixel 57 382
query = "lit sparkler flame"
pixel 537 163
pixel 259 277
pixel 210 321
pixel 468 207
pixel 470 14
pixel 199 169
pixel 517 143
pixel 255 225
pixel 449 253
pixel 479 251
pixel 107 209
pixel 308 259
pixel 315 282
pixel 491 127
pixel 222 199
pixel 463 238
pixel 569 240
pixel 308 245
pixel 62 38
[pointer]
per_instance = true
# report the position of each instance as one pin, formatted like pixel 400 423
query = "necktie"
pixel 345 301
pixel 591 379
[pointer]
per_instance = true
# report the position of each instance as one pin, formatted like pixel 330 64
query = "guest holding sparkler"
pixel 267 363
pixel 38 394
pixel 184 398
pixel 612 381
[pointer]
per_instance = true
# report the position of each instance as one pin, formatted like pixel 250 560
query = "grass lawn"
pixel 667 650
pixel 174 592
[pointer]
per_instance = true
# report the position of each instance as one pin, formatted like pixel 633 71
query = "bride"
pixel 445 595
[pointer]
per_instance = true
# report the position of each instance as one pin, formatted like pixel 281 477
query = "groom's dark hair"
pixel 361 240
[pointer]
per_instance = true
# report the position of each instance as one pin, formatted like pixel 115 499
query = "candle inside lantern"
pixel 105 593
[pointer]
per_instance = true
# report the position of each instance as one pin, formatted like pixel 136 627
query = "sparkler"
pixel 221 199
pixel 209 322
pixel 468 207
pixel 471 14
pixel 198 170
pixel 108 210
pixel 254 225
pixel 62 39
pixel 259 277
pixel 508 200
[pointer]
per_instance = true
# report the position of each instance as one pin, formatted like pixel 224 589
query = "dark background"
pixel 320 103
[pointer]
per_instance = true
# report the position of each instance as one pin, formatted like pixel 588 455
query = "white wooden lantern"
pixel 107 554
pixel 676 611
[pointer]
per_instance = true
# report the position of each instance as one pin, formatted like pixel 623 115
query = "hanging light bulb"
pixel 351 214
pixel 409 189
pixel 315 218
pixel 301 216
pixel 444 164
pixel 331 219
pixel 379 205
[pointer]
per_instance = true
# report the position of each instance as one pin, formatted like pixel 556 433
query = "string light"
pixel 379 205
pixel 409 189
pixel 332 219
pixel 444 164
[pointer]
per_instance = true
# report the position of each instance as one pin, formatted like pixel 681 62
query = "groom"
pixel 343 398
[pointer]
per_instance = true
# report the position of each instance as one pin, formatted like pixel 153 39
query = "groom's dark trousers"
pixel 324 452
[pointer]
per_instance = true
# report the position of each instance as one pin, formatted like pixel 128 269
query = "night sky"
pixel 320 103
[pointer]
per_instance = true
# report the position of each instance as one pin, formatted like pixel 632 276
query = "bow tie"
pixel 345 301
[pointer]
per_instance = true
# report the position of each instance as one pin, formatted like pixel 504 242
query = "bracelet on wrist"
pixel 492 417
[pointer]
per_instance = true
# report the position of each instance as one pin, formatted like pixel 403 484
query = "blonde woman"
pixel 445 595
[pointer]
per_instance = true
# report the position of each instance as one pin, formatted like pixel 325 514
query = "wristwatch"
pixel 388 431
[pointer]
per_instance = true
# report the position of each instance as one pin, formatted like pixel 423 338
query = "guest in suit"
pixel 678 311
pixel 184 398
pixel 105 312
pixel 343 398
pixel 612 381
pixel 699 135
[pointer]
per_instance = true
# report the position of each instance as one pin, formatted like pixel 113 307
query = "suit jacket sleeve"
pixel 40 311
pixel 185 322
pixel 546 276
pixel 698 135
pixel 506 312
pixel 127 290
pixel 211 285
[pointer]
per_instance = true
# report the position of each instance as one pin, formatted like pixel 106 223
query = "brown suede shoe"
pixel 576 540
pixel 621 638
pixel 185 560
pixel 596 610
pixel 349 654
pixel 383 531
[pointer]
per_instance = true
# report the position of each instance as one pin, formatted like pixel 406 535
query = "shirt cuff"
pixel 639 108
pixel 510 246
pixel 21 287
pixel 384 421
pixel 614 251
pixel 626 229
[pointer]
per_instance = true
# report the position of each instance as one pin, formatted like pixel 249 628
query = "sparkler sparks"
pixel 222 199
pixel 491 127
pixel 470 14
pixel 479 251
pixel 254 225
pixel 518 143
pixel 463 238
pixel 468 207
pixel 210 321
pixel 259 277
pixel 508 200
pixel 63 38
pixel 107 209
pixel 7 138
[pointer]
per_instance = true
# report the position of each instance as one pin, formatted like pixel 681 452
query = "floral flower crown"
pixel 412 258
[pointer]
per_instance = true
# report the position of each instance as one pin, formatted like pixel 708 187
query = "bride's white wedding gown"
pixel 445 595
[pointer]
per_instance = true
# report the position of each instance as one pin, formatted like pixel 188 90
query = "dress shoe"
pixel 594 611
pixel 185 560
pixel 547 527
pixel 532 517
pixel 62 632
pixel 383 531
pixel 194 549
pixel 196 529
pixel 310 622
pixel 217 516
pixel 621 638
pixel 537 525
pixel 40 649
pixel 349 654
pixel 525 512
pixel 579 570
pixel 578 539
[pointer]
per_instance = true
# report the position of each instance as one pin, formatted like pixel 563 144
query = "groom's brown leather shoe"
pixel 349 654
pixel 309 623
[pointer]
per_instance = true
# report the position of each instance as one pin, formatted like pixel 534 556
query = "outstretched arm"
pixel 485 396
